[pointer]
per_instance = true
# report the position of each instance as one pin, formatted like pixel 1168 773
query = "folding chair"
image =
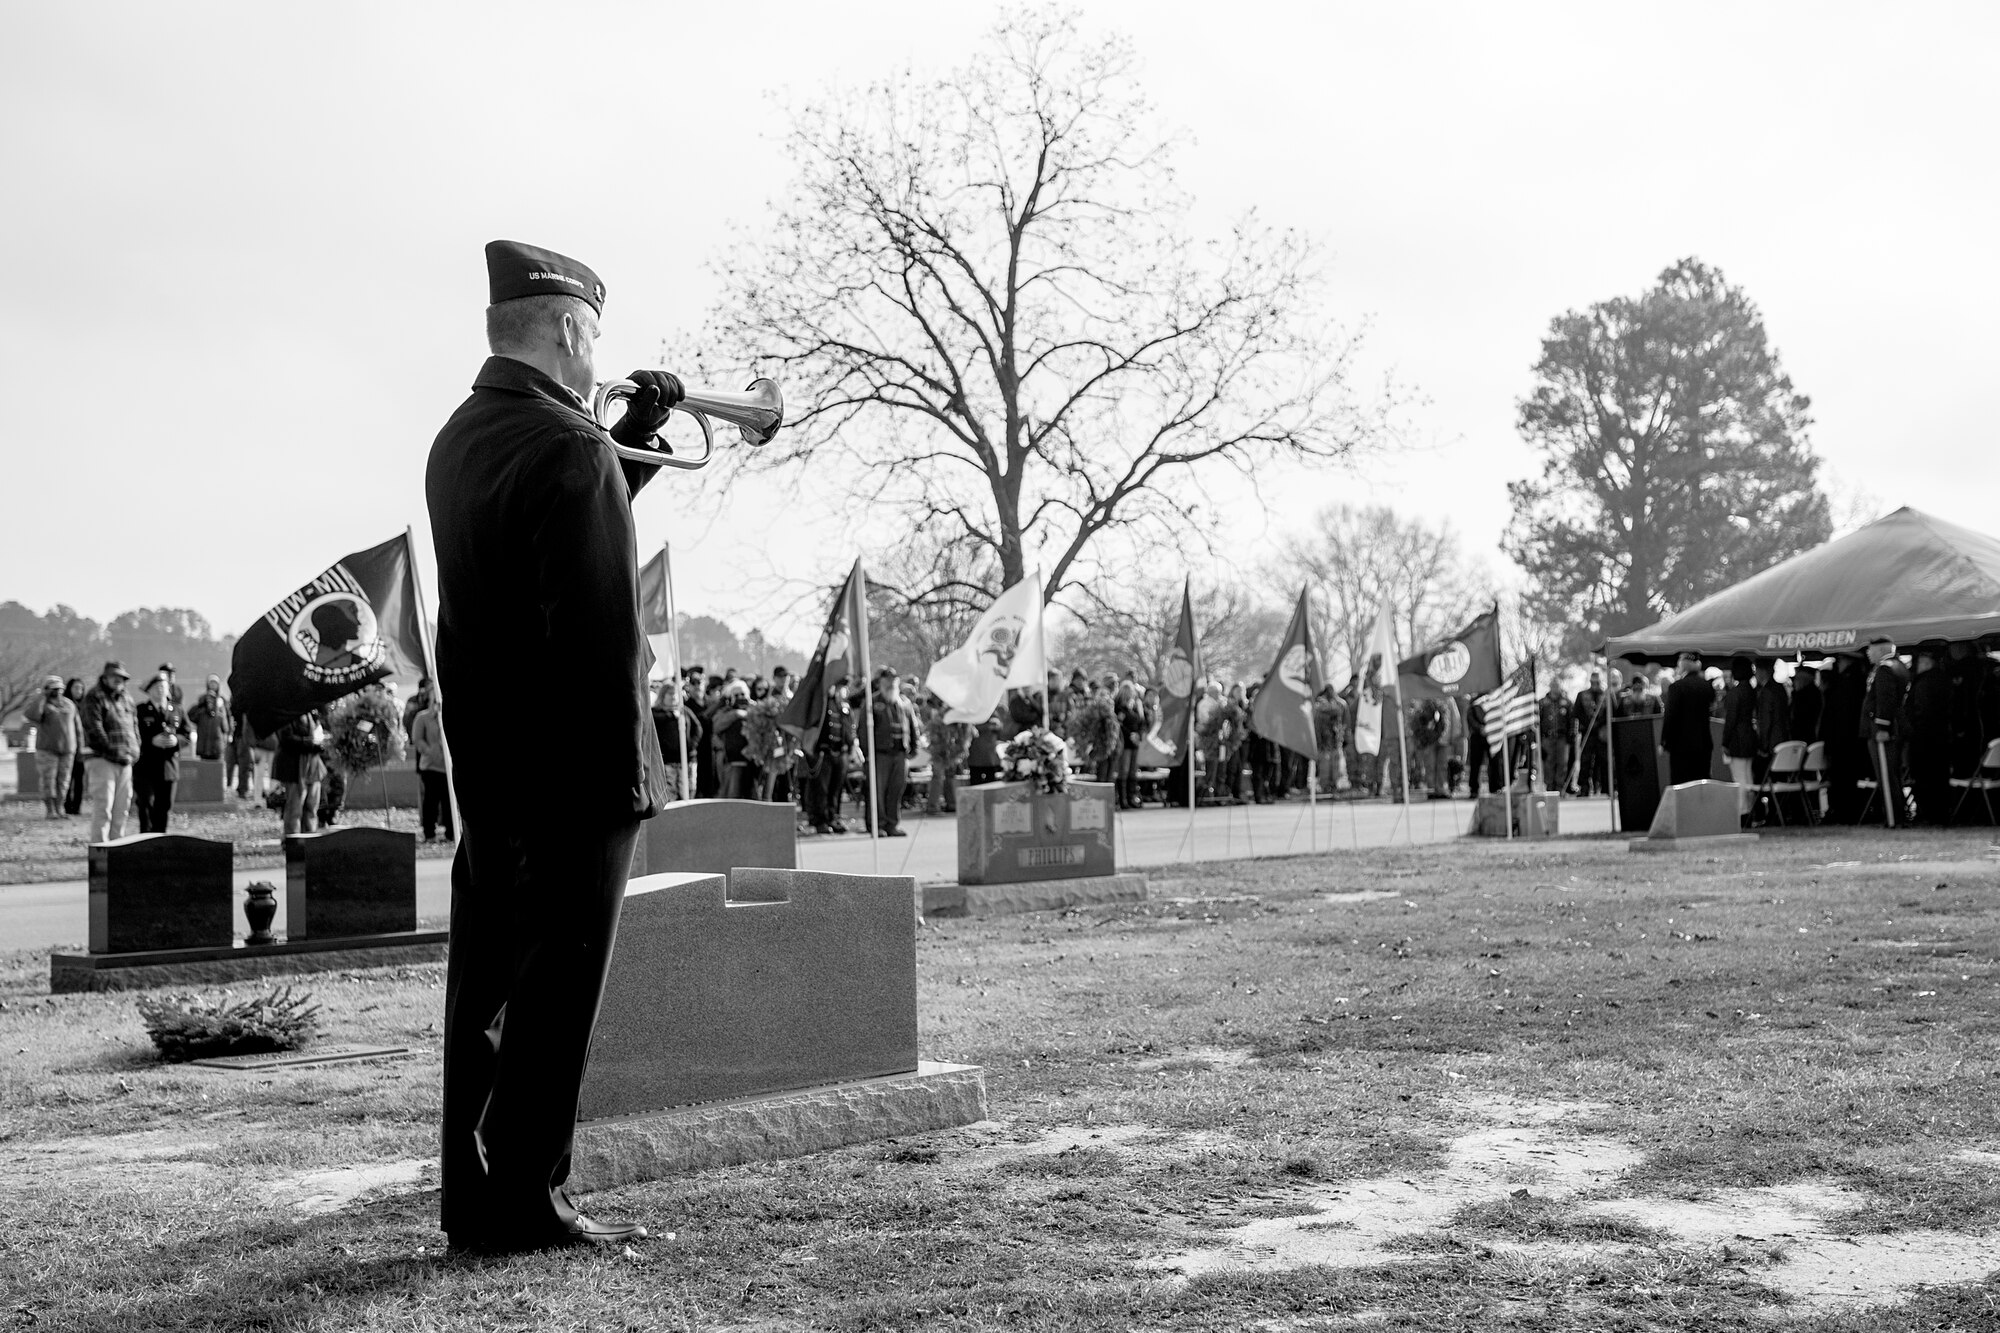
pixel 1786 777
pixel 1815 778
pixel 1985 780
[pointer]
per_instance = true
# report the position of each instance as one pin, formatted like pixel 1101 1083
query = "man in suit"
pixel 537 578
pixel 1807 704
pixel 1926 730
pixel 1684 729
pixel 1881 726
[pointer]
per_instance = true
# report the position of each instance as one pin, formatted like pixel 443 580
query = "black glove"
pixel 646 411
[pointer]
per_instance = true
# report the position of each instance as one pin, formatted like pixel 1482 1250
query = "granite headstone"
pixel 161 891
pixel 1705 809
pixel 1012 832
pixel 350 881
pixel 713 837
pixel 769 981
pixel 200 783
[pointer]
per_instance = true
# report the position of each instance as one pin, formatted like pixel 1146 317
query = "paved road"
pixel 38 916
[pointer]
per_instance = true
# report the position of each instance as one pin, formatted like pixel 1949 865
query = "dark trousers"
pixel 1688 765
pixel 436 807
pixel 152 800
pixel 829 779
pixel 1481 764
pixel 978 775
pixel 1592 771
pixel 534 912
pixel 892 775
pixel 1930 781
pixel 1885 758
pixel 73 801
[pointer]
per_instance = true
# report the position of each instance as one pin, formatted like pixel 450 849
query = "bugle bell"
pixel 756 413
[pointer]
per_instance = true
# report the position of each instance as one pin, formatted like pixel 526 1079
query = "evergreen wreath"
pixel 185 1028
pixel 364 731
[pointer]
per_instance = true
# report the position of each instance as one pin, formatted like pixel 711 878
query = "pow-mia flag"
pixel 356 623
pixel 1464 664
pixel 1167 746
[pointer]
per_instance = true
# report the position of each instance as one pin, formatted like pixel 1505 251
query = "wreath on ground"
pixel 185 1028
pixel 364 732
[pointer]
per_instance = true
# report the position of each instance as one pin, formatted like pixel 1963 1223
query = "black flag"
pixel 842 652
pixel 353 625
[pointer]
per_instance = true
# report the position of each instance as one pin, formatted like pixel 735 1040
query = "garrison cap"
pixel 514 270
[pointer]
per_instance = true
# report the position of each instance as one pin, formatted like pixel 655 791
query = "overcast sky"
pixel 245 280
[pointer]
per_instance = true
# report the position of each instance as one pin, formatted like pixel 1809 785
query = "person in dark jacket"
pixel 982 755
pixel 830 753
pixel 1684 731
pixel 110 744
pixel 531 512
pixel 1882 726
pixel 1739 731
pixel 1926 730
pixel 213 726
pixel 1840 728
pixel 1971 677
pixel 73 689
pixel 1587 726
pixel 1773 715
pixel 895 730
pixel 1807 705
pixel 301 765
pixel 163 732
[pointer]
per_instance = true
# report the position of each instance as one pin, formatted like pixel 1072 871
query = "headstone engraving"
pixel 769 981
pixel 1011 832
pixel 161 891
pixel 713 837
pixel 350 881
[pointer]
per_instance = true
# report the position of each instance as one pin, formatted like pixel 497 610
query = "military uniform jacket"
pixel 1887 684
pixel 538 587
pixel 1684 729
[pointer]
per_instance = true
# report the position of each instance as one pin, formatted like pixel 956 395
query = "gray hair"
pixel 518 325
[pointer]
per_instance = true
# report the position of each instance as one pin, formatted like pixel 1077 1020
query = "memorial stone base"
pixel 71 972
pixel 625 1150
pixel 1537 814
pixel 1013 833
pixel 1036 895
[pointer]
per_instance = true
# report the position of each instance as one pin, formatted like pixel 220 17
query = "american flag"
pixel 1510 710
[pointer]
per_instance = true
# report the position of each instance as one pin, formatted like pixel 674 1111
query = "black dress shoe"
pixel 583 1230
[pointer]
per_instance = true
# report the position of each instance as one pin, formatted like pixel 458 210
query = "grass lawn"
pixel 34 850
pixel 1476 1086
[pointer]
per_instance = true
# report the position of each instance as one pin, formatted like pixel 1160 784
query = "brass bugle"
pixel 757 413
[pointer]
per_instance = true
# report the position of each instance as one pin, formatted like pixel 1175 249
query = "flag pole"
pixel 1194 702
pixel 860 633
pixel 1610 754
pixel 1403 749
pixel 437 691
pixel 680 699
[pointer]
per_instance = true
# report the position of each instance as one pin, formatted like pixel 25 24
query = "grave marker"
pixel 1012 833
pixel 768 982
pixel 350 881
pixel 161 891
pixel 713 837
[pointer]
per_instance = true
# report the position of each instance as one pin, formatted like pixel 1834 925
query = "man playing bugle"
pixel 537 579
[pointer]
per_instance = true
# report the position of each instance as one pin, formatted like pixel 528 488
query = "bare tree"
pixel 1354 559
pixel 1236 633
pixel 924 596
pixel 984 302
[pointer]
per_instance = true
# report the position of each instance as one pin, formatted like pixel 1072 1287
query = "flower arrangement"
pixel 765 743
pixel 364 731
pixel 1037 755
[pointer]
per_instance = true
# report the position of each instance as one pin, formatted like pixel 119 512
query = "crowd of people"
pixel 1932 720
pixel 1921 724
pixel 122 756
